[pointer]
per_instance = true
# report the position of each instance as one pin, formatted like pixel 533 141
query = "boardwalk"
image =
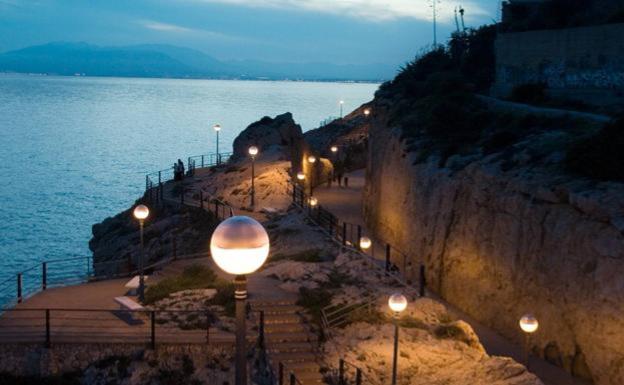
pixel 346 203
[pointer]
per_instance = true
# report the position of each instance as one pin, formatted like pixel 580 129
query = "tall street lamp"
pixel 341 105
pixel 529 325
pixel 141 212
pixel 217 128
pixel 312 161
pixel 253 151
pixel 397 303
pixel 239 246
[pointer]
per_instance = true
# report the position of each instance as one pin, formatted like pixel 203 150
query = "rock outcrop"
pixel 281 132
pixel 502 235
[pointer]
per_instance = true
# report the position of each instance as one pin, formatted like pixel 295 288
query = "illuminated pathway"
pixel 346 204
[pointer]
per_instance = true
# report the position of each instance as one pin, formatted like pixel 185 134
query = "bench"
pixel 127 303
pixel 133 283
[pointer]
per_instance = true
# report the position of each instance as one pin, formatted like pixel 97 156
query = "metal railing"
pixel 393 265
pixel 348 374
pixel 47 326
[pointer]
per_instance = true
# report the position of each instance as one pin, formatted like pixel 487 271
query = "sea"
pixel 75 150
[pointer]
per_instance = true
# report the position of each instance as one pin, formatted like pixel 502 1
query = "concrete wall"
pixel 579 63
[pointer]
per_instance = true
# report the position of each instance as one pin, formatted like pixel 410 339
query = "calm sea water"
pixel 74 151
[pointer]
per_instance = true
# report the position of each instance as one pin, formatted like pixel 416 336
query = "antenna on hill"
pixel 461 13
pixel 434 4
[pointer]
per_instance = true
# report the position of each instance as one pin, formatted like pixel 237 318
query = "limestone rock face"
pixel 281 131
pixel 500 243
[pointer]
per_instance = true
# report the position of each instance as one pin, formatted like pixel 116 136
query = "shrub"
pixel 600 156
pixel 314 300
pixel 224 297
pixel 193 277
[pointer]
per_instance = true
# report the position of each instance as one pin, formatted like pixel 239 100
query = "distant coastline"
pixel 259 79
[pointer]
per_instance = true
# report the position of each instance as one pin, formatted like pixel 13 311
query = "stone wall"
pixel 577 63
pixel 499 244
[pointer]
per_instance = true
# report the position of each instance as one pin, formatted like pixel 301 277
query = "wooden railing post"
pixel 341 370
pixel 359 236
pixel 44 275
pixel 48 343
pixel 387 257
pixel 19 287
pixel 422 281
pixel 202 161
pixel 358 376
pixel 280 374
pixel 293 379
pixel 261 330
pixel 153 329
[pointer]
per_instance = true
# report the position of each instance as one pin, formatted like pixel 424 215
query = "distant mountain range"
pixel 165 61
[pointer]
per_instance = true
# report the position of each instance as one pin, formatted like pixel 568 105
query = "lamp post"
pixel 217 128
pixel 312 161
pixel 253 151
pixel 239 246
pixel 313 202
pixel 365 243
pixel 341 105
pixel 141 212
pixel 397 303
pixel 529 325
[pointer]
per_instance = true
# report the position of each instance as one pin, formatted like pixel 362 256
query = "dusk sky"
pixel 336 31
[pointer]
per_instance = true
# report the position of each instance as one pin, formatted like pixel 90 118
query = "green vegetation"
pixel 312 255
pixel 314 300
pixel 224 297
pixel 193 277
pixel 600 156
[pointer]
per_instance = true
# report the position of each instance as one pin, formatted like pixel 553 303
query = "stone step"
pixel 289 337
pixel 281 318
pixel 284 328
pixel 291 357
pixel 278 309
pixel 300 346
pixel 260 305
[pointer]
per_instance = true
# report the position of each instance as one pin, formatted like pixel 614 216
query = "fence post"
pixel 19 287
pixel 341 367
pixel 146 182
pixel 422 281
pixel 47 330
pixel 201 199
pixel 153 328
pixel 160 188
pixel 216 210
pixel 159 177
pixel 207 327
pixel 44 275
pixel 359 236
pixel 387 257
pixel 293 380
pixel 202 161
pixel 358 376
pixel 280 374
pixel 344 233
pixel 261 330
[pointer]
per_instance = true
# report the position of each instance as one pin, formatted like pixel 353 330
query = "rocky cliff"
pixel 506 233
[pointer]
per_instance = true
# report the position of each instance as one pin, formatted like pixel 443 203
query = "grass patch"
pixel 193 277
pixel 313 255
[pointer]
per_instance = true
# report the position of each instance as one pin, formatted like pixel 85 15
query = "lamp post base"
pixel 240 295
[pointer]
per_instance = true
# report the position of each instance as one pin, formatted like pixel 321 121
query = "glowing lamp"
pixel 341 102
pixel 253 150
pixel 300 175
pixel 397 302
pixel 312 159
pixel 217 127
pixel 313 201
pixel 334 148
pixel 528 323
pixel 239 245
pixel 365 243
pixel 141 212
pixel 367 111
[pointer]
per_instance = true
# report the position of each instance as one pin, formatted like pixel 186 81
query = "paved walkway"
pixel 346 204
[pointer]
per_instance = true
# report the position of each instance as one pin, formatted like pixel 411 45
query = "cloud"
pixel 373 10
pixel 163 27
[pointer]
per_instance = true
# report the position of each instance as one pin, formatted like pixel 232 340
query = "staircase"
pixel 289 342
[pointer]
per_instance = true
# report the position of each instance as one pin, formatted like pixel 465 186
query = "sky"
pixel 335 31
